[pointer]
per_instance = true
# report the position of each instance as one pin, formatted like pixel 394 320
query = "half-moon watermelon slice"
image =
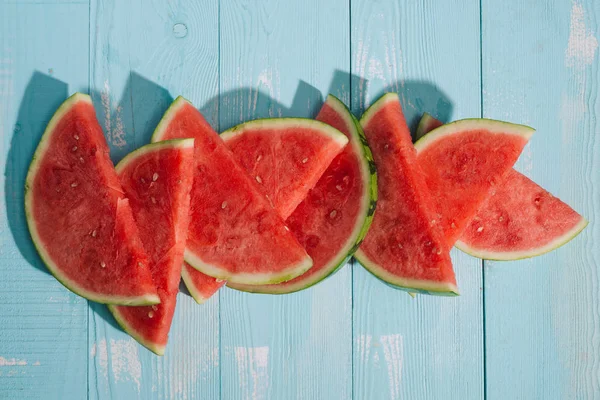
pixel 78 216
pixel 234 232
pixel 521 219
pixel 334 218
pixel 157 179
pixel 404 247
pixel 464 162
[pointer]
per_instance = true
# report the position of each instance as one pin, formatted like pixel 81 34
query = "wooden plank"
pixel 426 347
pixel 296 346
pixel 142 54
pixel 43 326
pixel 540 67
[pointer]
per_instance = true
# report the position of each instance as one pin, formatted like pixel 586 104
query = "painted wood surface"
pixel 520 330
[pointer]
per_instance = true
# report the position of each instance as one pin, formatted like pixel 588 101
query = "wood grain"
pixel 43 326
pixel 540 67
pixel 426 347
pixel 142 53
pixel 295 346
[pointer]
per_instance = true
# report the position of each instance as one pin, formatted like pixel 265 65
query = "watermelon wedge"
pixel 286 156
pixel 234 232
pixel 78 216
pixel 157 179
pixel 334 218
pixel 464 162
pixel 201 286
pixel 521 219
pixel 404 246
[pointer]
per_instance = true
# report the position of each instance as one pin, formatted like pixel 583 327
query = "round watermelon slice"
pixel 334 218
pixel 463 163
pixel 404 246
pixel 78 216
pixel 157 179
pixel 234 232
pixel 520 220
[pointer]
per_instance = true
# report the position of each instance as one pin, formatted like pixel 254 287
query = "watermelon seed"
pixel 155 307
pixel 258 158
pixel 304 160
pixel 453 225
pixel 258 179
pixel 76 137
pixel 346 179
pixel 81 160
pixel 400 246
pixel 154 177
pixel 93 233
pixel 179 181
pixel 150 314
pixel 74 184
pixel 433 222
pixel 140 265
pixel 436 251
pixel 74 148
pixel 218 280
pixel 332 214
pixel 286 228
pixel 143 180
pixel 339 187
pixel 501 219
pixel 223 204
pixel 387 146
pixel 153 200
pixel 480 229
pixel 103 264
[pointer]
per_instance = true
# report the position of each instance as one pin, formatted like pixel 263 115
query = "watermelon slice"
pixel 157 179
pixel 200 285
pixel 234 232
pixel 286 156
pixel 335 216
pixel 464 162
pixel 79 219
pixel 519 220
pixel 404 247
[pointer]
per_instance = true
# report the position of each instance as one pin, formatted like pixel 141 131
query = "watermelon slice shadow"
pixel 130 122
pixel 43 95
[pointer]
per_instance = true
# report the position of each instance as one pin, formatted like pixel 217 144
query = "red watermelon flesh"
pixel 403 247
pixel 234 233
pixel 335 216
pixel 157 179
pixel 79 219
pixel 463 163
pixel 200 286
pixel 286 156
pixel 521 219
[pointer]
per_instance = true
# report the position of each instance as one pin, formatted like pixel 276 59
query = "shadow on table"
pixel 43 95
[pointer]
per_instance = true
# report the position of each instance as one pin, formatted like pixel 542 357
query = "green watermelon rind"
pixel 369 176
pixel 212 270
pixel 409 285
pixel 520 255
pixel 283 123
pixel 148 299
pixel 129 158
pixel 470 124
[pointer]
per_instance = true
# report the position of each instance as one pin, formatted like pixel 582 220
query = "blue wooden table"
pixel 520 330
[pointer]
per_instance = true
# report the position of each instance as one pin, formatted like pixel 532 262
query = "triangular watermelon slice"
pixel 464 162
pixel 335 216
pixel 234 233
pixel 157 179
pixel 521 219
pixel 404 247
pixel 79 219
pixel 286 157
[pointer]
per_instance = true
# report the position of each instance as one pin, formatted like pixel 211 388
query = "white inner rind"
pixel 517 255
pixel 158 146
pixel 146 299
